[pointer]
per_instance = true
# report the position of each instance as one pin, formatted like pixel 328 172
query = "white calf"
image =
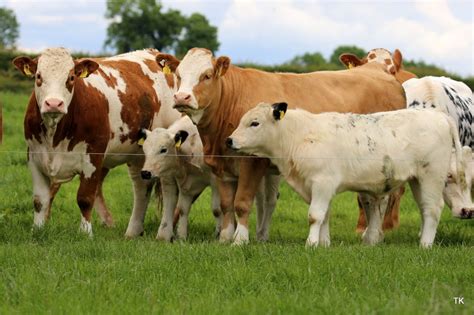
pixel 175 155
pixel 455 99
pixel 325 154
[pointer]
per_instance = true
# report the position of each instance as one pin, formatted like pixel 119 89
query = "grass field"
pixel 60 270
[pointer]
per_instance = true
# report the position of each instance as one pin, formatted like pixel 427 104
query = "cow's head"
pixel 393 63
pixel 198 76
pixel 165 148
pixel 458 197
pixel 55 74
pixel 256 130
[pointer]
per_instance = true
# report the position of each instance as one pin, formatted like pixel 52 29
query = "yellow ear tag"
pixel 141 141
pixel 166 70
pixel 350 65
pixel 282 114
pixel 27 71
pixel 178 144
pixel 84 74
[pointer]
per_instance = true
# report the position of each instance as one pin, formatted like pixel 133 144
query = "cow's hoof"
pixel 241 235
pixel 227 234
pixel 311 243
pixel 166 236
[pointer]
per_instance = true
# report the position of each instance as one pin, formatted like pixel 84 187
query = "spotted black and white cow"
pixel 175 155
pixel 455 99
pixel 321 155
pixel 84 118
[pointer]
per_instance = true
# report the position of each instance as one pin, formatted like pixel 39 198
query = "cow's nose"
pixel 229 143
pixel 466 213
pixel 182 98
pixel 54 103
pixel 146 174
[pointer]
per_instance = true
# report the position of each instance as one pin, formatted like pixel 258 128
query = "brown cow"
pixel 394 65
pixel 84 118
pixel 216 94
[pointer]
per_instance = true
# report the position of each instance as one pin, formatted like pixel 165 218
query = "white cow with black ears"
pixel 175 155
pixel 325 154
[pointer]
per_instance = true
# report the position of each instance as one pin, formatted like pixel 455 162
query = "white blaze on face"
pixel 455 196
pixel 196 63
pixel 382 56
pixel 54 66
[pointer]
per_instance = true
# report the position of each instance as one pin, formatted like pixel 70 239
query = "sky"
pixel 274 31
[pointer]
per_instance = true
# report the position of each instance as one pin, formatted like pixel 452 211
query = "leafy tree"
pixel 308 60
pixel 8 28
pixel 359 52
pixel 138 24
pixel 197 33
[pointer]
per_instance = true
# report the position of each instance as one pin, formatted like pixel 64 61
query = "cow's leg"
pixel 391 219
pixel 251 174
pixel 41 195
pixel 184 205
pixel 362 221
pixel 216 208
pixel 86 195
pixel 99 202
pixel 427 193
pixel 170 200
pixel 141 196
pixel 272 183
pixel 53 190
pixel 374 208
pixel 227 194
pixel 318 215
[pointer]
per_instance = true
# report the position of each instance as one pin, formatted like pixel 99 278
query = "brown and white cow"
pixel 394 65
pixel 84 118
pixel 216 94
pixel 393 62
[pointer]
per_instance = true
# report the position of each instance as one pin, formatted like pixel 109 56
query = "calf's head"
pixel 458 197
pixel 257 129
pixel 393 62
pixel 161 148
pixel 55 73
pixel 198 76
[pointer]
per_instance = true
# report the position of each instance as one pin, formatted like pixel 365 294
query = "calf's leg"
pixel 216 208
pixel 272 183
pixel 99 203
pixel 170 200
pixel 41 195
pixel 227 194
pixel 184 205
pixel 374 208
pixel 318 215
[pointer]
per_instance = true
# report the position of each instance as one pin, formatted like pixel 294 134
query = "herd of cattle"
pixel 203 122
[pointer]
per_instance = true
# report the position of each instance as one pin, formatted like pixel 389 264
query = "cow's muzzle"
pixel 146 174
pixel 467 213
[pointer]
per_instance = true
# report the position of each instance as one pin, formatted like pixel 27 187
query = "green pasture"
pixel 58 270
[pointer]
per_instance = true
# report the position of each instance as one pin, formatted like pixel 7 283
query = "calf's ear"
pixel 279 110
pixel 167 63
pixel 350 60
pixel 85 67
pixel 221 66
pixel 26 65
pixel 180 137
pixel 142 134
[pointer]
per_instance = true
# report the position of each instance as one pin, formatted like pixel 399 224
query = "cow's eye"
pixel 163 150
pixel 207 77
pixel 38 76
pixel 254 124
pixel 71 78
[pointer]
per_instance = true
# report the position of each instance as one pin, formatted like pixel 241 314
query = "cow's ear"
pixel 279 110
pixel 142 134
pixel 222 64
pixel 397 59
pixel 85 67
pixel 167 63
pixel 180 137
pixel 350 60
pixel 26 65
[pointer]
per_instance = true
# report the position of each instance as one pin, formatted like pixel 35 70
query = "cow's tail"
pixel 461 175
